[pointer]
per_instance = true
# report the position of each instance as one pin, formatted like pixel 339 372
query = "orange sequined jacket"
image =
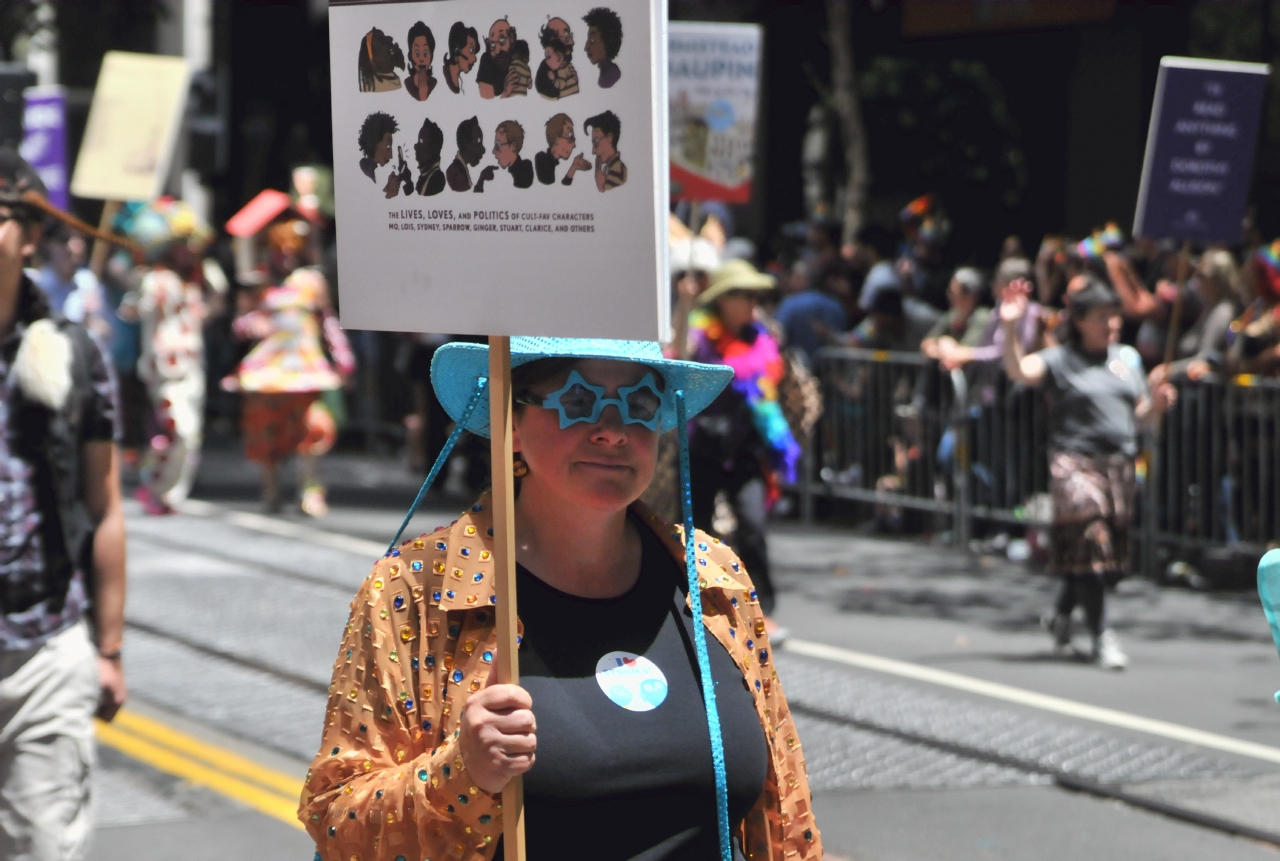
pixel 389 782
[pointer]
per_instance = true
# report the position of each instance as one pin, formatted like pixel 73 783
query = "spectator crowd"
pixel 1107 325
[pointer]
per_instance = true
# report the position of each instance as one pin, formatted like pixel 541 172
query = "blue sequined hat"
pixel 456 367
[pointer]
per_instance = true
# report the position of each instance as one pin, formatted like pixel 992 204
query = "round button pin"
pixel 632 681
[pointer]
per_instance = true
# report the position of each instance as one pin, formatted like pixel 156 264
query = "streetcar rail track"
pixel 230 657
pixel 1059 777
pixel 261 567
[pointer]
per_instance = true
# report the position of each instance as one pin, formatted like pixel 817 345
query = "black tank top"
pixel 623 768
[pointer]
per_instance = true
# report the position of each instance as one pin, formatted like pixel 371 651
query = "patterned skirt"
pixel 278 425
pixel 1093 498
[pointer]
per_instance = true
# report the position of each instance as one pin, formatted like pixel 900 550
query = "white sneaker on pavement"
pixel 1107 652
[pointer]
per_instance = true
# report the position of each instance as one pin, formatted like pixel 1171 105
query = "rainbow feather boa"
pixel 757 370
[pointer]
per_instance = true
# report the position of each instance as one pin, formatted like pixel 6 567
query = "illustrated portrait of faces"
pixel 504 67
pixel 560 145
pixel 422 50
pixel 426 151
pixel 560 137
pixel 471 149
pixel 556 77
pixel 380 57
pixel 501 38
pixel 508 141
pixel 464 48
pixel 605 130
pixel 604 41
pixel 375 142
pixel 560 27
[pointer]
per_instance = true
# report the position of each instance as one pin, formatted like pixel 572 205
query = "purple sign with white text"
pixel 1199 161
pixel 44 139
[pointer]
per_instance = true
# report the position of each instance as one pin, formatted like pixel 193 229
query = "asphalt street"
pixel 234 618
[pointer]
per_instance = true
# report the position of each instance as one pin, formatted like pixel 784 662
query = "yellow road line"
pixel 279 806
pixel 1021 696
pixel 218 757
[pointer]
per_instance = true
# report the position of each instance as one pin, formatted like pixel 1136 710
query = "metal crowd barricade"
pixel 885 415
pixel 1215 466
pixel 897 432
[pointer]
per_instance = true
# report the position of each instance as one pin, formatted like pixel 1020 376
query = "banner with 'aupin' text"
pixel 714 90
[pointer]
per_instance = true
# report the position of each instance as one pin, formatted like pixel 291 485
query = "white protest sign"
pixel 500 167
pixel 714 87
pixel 133 123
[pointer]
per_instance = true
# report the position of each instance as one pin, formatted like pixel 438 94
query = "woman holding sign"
pixel 608 726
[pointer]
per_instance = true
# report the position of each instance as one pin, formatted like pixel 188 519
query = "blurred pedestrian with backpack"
pixel 62 545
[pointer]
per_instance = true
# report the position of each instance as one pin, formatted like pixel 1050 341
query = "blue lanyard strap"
pixel 443 458
pixel 700 636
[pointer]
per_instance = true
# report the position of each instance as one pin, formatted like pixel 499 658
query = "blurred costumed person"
pixel 301 356
pixel 742 444
pixel 170 304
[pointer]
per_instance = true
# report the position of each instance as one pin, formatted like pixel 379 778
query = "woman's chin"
pixel 605 493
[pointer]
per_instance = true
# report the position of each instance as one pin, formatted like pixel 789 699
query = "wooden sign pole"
pixel 98 258
pixel 1175 314
pixel 504 565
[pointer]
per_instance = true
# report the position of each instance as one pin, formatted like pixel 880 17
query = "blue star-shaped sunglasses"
pixel 580 401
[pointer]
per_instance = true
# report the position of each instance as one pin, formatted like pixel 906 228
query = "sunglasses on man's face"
pixel 580 401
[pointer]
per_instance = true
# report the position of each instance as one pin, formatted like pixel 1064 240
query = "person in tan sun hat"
pixel 741 446
pixel 736 276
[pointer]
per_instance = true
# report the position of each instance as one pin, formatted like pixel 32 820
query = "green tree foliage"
pixel 87 29
pixel 943 127
pixel 18 21
pixel 1226 31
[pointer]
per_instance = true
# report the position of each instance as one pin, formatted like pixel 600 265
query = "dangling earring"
pixel 519 468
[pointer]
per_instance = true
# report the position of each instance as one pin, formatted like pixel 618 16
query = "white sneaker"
pixel 1107 653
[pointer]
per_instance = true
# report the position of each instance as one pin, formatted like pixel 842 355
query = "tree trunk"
pixel 844 95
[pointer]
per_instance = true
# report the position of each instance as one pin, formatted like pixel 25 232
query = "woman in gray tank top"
pixel 1098 399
